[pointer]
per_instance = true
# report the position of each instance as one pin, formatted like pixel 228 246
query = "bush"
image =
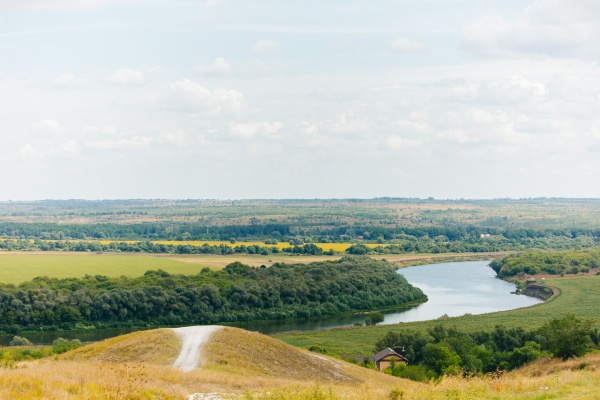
pixel 62 345
pixel 20 341
pixel 317 348
pixel 417 373
pixel 374 318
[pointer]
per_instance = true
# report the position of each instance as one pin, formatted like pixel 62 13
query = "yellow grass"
pixel 252 366
pixel 339 247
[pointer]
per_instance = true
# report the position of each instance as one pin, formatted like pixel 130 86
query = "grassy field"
pixel 17 267
pixel 578 295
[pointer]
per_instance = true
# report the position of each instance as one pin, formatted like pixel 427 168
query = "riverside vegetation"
pixel 236 293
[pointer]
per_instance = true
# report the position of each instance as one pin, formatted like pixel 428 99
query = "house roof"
pixel 387 352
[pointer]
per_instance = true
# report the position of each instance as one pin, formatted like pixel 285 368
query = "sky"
pixel 230 99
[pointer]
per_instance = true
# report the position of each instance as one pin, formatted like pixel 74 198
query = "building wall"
pixel 387 362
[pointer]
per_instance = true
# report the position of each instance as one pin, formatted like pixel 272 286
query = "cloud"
pixel 211 3
pixel 65 81
pixel 189 96
pixel 558 28
pixel 177 138
pixel 127 77
pixel 264 47
pixel 48 126
pixel 52 4
pixel 400 143
pixel 120 143
pixel 509 91
pixel 405 45
pixel 253 129
pixel 69 147
pixel 219 67
pixel 28 152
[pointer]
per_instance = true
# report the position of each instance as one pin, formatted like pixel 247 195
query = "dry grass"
pixel 237 351
pixel 253 366
pixel 155 347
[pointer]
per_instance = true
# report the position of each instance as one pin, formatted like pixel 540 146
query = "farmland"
pixel 18 267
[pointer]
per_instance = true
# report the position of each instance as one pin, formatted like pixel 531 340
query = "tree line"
pixel 466 234
pixel 235 294
pixel 445 351
pixel 554 263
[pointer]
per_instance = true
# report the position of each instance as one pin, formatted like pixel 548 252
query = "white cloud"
pixel 28 152
pixel 406 45
pixel 189 96
pixel 95 131
pixel 69 147
pixel 174 138
pixel 253 129
pixel 264 47
pixel 52 4
pixel 127 77
pixel 211 3
pixel 400 143
pixel 559 28
pixel 65 81
pixel 48 126
pixel 136 142
pixel 219 67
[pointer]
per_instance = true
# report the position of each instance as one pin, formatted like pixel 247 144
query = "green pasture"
pixel 17 268
pixel 578 295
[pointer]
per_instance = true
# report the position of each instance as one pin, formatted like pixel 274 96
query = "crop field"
pixel 578 295
pixel 17 268
pixel 338 247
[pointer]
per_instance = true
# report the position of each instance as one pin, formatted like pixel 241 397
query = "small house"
pixel 384 358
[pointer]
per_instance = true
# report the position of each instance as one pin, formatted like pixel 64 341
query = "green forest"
pixel 553 263
pixel 236 293
pixel 443 351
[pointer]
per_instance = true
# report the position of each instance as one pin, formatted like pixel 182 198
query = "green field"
pixel 578 295
pixel 17 268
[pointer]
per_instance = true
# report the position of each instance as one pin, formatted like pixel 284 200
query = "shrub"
pixel 20 341
pixel 62 345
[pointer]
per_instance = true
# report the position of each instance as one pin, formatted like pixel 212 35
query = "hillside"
pixel 241 364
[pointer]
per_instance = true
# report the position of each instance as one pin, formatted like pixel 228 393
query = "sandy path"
pixel 193 337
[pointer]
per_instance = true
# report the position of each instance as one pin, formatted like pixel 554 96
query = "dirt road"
pixel 193 337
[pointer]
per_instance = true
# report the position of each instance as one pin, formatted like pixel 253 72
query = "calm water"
pixel 453 289
pixel 459 288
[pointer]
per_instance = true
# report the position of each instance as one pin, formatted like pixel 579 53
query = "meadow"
pixel 18 267
pixel 22 267
pixel 577 295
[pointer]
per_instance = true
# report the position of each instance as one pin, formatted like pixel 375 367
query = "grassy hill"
pixel 244 364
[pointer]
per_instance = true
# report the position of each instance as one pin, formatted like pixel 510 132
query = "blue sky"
pixel 268 99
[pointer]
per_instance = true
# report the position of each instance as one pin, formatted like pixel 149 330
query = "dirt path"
pixel 193 337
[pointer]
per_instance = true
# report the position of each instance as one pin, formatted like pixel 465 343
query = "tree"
pixel 374 318
pixel 567 337
pixel 441 359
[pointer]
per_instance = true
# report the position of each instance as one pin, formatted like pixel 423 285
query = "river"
pixel 453 289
